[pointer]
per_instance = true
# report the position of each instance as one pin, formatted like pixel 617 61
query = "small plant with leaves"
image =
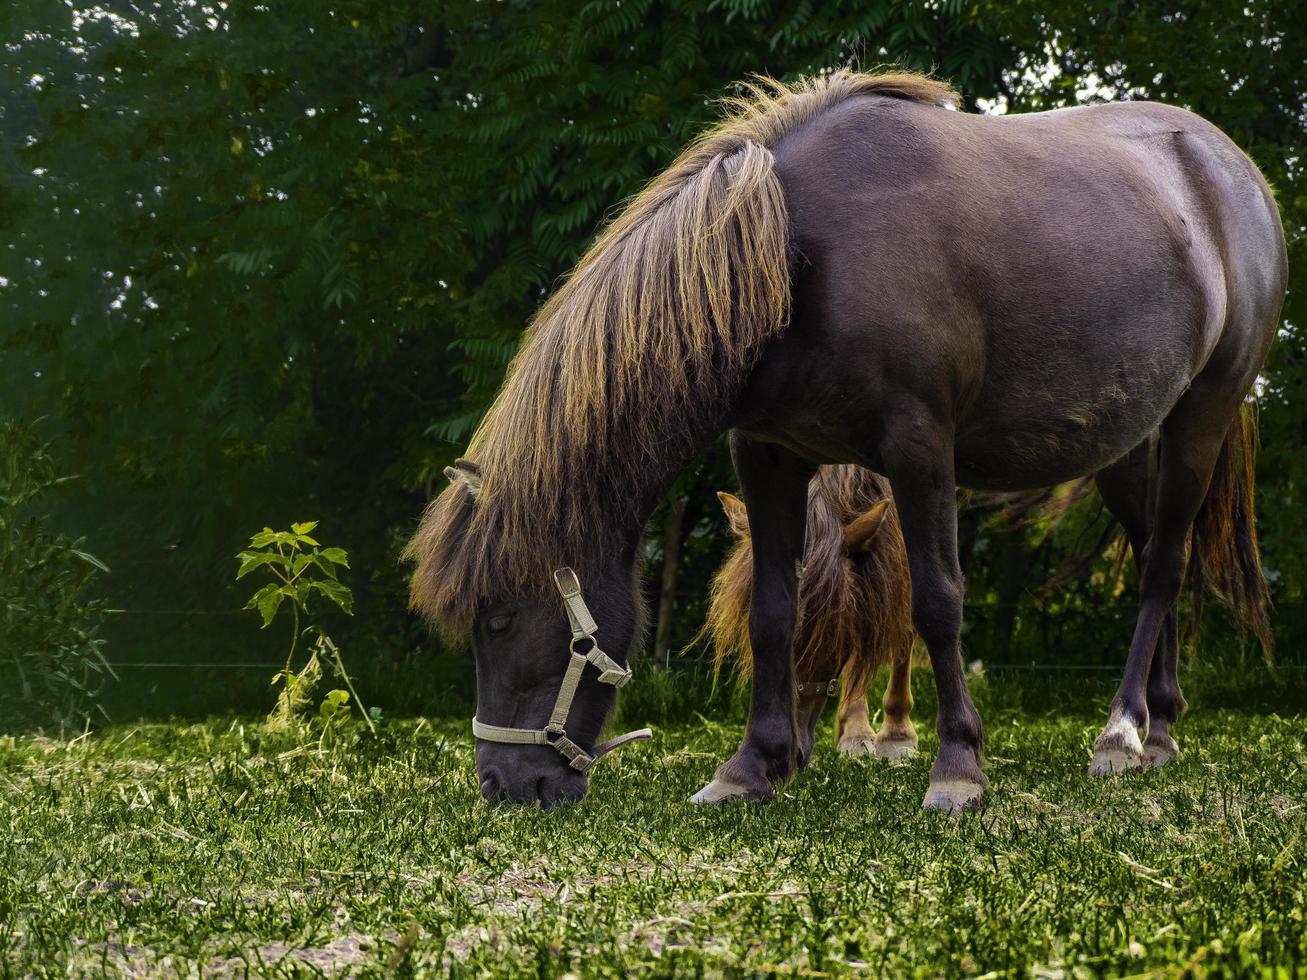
pixel 302 570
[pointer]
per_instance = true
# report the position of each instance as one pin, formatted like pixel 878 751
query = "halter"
pixel 818 687
pixel 611 672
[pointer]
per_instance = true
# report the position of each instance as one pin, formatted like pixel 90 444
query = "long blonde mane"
pixel 633 360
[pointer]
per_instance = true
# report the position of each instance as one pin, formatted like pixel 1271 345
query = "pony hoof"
pixel 1118 749
pixel 1160 750
pixel 855 746
pixel 895 748
pixel 1107 761
pixel 721 790
pixel 953 796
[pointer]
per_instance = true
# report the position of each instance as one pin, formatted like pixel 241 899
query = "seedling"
pixel 301 570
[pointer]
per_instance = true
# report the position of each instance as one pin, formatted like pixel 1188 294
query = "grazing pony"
pixel 845 270
pixel 855 611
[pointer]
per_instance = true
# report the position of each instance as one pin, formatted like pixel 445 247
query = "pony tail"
pixel 1225 555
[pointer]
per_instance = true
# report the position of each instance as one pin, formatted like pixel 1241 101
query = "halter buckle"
pixel 567 581
pixel 577 757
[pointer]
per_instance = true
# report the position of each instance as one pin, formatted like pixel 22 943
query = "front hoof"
pixel 1106 762
pixel 1119 748
pixel 896 747
pixel 953 796
pixel 721 790
pixel 1116 756
pixel 1159 750
pixel 857 745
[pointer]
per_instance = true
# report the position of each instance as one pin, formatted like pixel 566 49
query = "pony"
pixel 845 269
pixel 854 612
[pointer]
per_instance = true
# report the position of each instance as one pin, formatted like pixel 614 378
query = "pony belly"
pixel 1039 452
pixel 1035 467
pixel 1082 407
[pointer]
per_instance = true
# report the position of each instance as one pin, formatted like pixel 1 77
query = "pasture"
pixel 432 361
pixel 221 849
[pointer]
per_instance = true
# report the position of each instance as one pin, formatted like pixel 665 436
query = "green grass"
pixel 218 849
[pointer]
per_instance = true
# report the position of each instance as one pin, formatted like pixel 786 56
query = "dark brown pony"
pixel 854 611
pixel 844 270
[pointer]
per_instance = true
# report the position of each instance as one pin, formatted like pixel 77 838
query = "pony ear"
pixel 737 515
pixel 466 471
pixel 859 532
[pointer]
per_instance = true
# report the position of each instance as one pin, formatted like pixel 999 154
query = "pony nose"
pixel 556 792
pixel 547 792
pixel 493 787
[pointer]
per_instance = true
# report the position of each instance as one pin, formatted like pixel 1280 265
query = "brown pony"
pixel 846 271
pixel 855 611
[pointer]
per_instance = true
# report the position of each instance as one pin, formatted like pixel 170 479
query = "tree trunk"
pixel 667 589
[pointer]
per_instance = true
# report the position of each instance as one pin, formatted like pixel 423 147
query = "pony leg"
pixel 897 737
pixel 775 484
pixel 1165 701
pixel 919 463
pixel 1125 489
pixel 1192 436
pixel 806 714
pixel 854 733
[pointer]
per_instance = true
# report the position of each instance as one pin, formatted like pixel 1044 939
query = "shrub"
pixel 49 643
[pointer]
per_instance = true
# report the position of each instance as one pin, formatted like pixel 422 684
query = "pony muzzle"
pixel 554 734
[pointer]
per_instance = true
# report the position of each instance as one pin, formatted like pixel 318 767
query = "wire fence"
pixel 201 662
pixel 1007 637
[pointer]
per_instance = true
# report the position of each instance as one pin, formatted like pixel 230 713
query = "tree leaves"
pixel 337 593
pixel 321 319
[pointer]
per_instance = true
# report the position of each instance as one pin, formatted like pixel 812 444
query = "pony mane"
pixel 635 357
pixel 855 613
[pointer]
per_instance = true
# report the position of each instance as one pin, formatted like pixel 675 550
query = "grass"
pixel 220 849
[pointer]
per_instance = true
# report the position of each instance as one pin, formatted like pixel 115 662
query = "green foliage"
pixel 310 231
pixel 301 568
pixel 307 231
pixel 335 706
pixel 50 652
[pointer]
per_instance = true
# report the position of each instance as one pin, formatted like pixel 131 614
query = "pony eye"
pixel 498 625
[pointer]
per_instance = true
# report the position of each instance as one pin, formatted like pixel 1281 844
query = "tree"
pixel 271 259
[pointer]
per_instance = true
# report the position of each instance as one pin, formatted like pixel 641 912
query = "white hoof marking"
pixel 1108 761
pixel 953 796
pixel 720 790
pixel 1118 749
pixel 896 748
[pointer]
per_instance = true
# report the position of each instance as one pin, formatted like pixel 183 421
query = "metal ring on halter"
pixel 554 733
